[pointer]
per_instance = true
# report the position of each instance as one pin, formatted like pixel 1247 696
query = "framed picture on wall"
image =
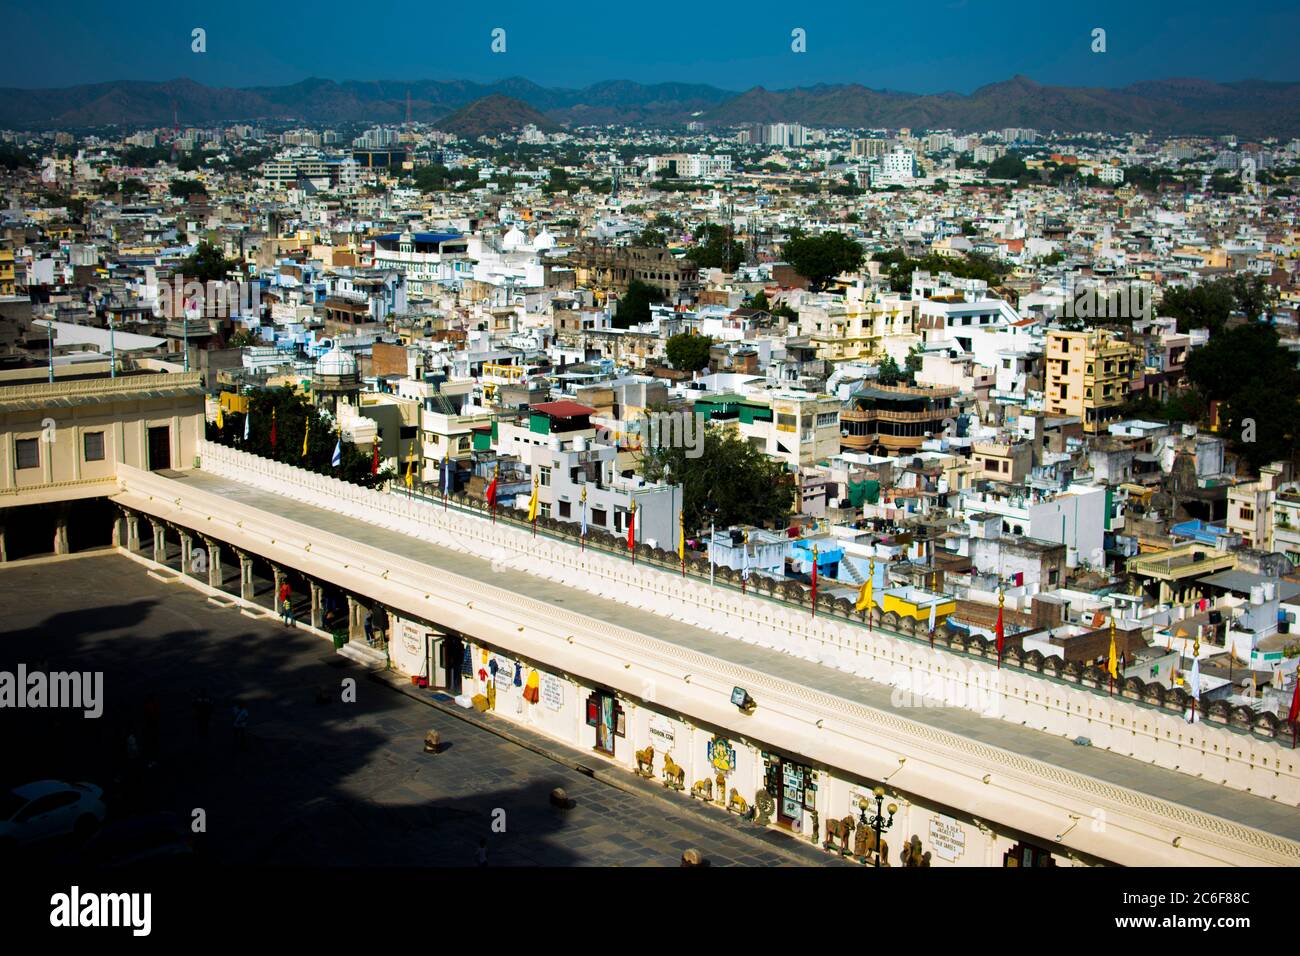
pixel 620 728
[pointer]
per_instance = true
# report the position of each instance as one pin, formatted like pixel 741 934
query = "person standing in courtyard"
pixel 286 607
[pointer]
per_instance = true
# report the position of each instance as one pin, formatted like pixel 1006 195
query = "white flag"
pixel 338 453
pixel 932 607
pixel 248 417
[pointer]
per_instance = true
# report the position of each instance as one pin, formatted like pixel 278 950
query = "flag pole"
pixel 744 560
pixel 681 538
pixel 934 586
pixel 871 604
pixel 713 530
pixel 813 601
pixel 534 506
pixel 1001 627
pixel 582 528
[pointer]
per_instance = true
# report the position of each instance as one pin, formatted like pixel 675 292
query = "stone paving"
pixel 318 783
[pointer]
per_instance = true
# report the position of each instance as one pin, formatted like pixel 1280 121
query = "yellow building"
pixel 6 271
pixel 1088 376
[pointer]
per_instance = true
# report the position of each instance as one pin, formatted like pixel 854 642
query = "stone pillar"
pixel 356 629
pixel 159 542
pixel 187 553
pixel 4 554
pixel 119 529
pixel 214 562
pixel 245 576
pixel 132 532
pixel 317 606
pixel 61 529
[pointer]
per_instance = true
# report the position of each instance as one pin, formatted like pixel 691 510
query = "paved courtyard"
pixel 318 783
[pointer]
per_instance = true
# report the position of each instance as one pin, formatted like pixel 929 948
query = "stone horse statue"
pixel 674 775
pixel 645 762
pixel 838 830
pixel 864 847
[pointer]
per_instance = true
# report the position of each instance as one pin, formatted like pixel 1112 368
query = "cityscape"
pixel 487 472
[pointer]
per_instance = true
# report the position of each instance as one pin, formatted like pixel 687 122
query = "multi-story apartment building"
pixel 1089 375
pixel 427 259
pixel 895 419
pixel 849 328
pixel 1250 505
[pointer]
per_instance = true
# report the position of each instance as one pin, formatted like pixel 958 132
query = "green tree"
pixel 890 373
pixel 291 413
pixel 759 301
pixel 716 251
pixel 1255 378
pixel 634 306
pixel 1206 306
pixel 819 259
pixel 730 483
pixel 1007 166
pixel 651 238
pixel 185 188
pixel 688 352
pixel 207 263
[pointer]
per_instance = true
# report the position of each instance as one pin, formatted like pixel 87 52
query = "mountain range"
pixel 1249 108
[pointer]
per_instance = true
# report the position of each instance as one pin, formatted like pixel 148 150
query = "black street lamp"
pixel 877 821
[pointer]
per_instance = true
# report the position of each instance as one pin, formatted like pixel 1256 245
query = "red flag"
pixel 1294 712
pixel 374 459
pixel 631 530
pixel 814 582
pixel 492 492
pixel 273 428
pixel 1000 632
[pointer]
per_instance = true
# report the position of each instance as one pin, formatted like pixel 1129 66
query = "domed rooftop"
pixel 336 362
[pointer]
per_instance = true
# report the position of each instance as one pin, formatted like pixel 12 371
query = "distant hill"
pixel 492 115
pixel 1250 108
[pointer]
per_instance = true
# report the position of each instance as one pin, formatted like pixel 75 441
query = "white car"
pixel 49 808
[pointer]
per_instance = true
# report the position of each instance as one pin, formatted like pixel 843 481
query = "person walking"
pixel 286 607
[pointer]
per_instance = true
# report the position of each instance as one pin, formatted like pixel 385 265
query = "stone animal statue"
pixel 737 803
pixel 912 855
pixel 864 846
pixel 838 830
pixel 763 807
pixel 645 762
pixel 674 775
pixel 703 789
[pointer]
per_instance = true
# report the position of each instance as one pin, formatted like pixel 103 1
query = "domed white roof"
pixel 514 238
pixel 544 240
pixel 336 362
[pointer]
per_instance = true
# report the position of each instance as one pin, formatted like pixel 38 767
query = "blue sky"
pixel 920 46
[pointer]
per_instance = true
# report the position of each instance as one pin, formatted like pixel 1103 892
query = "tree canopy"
pixel 1255 377
pixel 730 483
pixel 820 258
pixel 634 306
pixel 688 352
pixel 292 413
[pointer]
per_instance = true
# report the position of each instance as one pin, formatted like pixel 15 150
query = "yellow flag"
pixel 1112 666
pixel 410 474
pixel 532 503
pixel 305 432
pixel 681 536
pixel 864 594
pixel 221 419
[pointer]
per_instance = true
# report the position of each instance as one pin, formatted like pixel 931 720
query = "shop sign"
pixel 552 690
pixel 505 673
pixel 663 736
pixel 947 838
